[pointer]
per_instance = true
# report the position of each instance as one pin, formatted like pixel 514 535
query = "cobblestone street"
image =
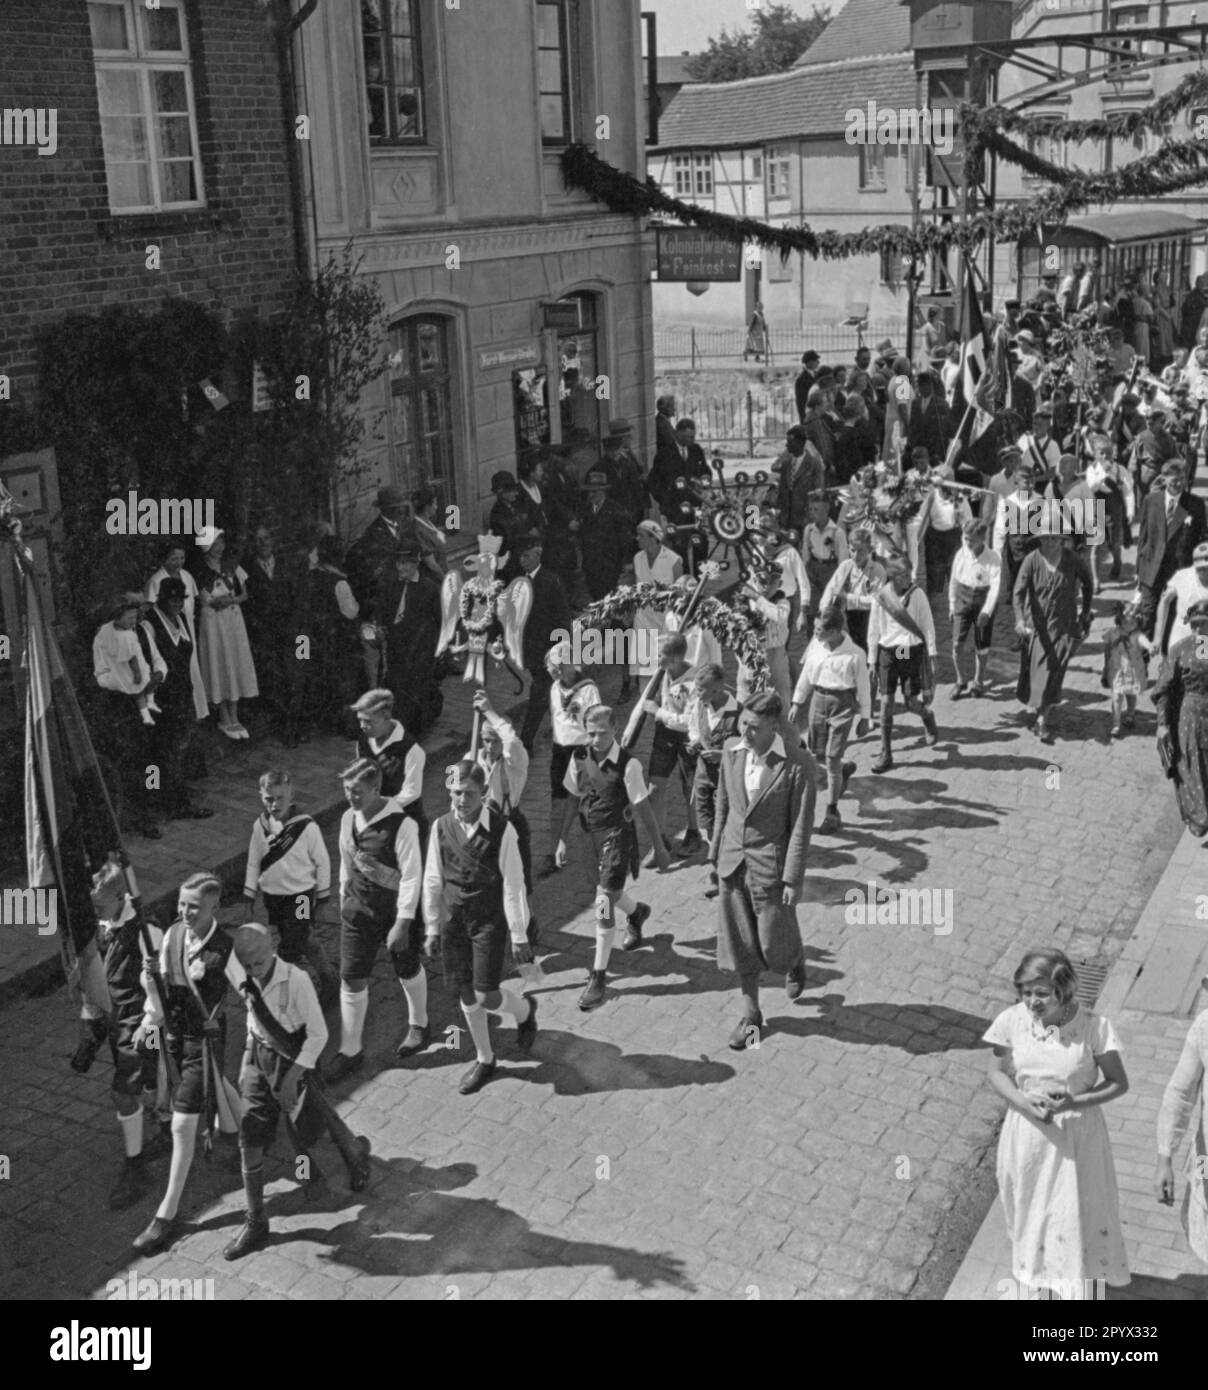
pixel 634 1154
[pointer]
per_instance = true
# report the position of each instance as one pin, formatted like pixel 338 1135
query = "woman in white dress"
pixel 1184 1091
pixel 226 655
pixel 1054 1064
pixel 655 563
pixel 173 567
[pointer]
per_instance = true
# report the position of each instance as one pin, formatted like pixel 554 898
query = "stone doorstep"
pixel 45 975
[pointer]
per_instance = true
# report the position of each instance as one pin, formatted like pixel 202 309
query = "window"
pixel 579 366
pixel 1126 51
pixel 394 76
pixel 1122 149
pixel 1046 147
pixel 683 175
pixel 555 49
pixel 872 166
pixel 756 167
pixel 891 264
pixel 421 409
pixel 144 85
pixel 702 175
pixel 778 174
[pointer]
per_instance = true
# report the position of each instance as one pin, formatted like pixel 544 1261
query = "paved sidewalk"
pixel 1152 994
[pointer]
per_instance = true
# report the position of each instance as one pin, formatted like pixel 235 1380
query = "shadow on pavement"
pixel 915 1028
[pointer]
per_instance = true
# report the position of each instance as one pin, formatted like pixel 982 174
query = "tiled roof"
pixel 802 101
pixel 861 29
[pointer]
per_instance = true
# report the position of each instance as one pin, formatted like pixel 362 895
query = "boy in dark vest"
pixel 712 721
pixel 381 866
pixel 384 741
pixel 121 945
pixel 607 789
pixel 473 899
pixel 288 863
pixel 194 964
pixel 285 1035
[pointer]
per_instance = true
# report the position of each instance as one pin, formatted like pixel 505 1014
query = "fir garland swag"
pixel 738 627
pixel 1176 166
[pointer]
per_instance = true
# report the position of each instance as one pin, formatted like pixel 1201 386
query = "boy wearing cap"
pixel 285 1035
pixel 288 863
pixel 381 866
pixel 605 536
pixel 606 788
pixel 473 899
pixel 973 589
pixel 1039 448
pixel 399 757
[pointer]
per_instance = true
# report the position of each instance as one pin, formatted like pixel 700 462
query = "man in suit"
pixel 761 834
pixel 1173 523
pixel 928 425
pixel 370 560
pixel 626 479
pixel 548 624
pixel 810 362
pixel 407 611
pixel 605 537
pixel 801 472
pixel 682 458
pixel 664 422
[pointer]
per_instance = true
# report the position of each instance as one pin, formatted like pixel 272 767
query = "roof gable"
pixel 861 29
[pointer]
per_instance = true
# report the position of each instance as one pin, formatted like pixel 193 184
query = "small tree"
pixel 780 37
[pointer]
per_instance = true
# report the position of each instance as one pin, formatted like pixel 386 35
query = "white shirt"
pixel 1183 589
pixel 508 774
pixel 885 631
pixel 844 668
pixel 153 1014
pixel 567 706
pixel 703 718
pixel 406 851
pixel 675 697
pixel 515 900
pixel 703 648
pixel 113 648
pixel 1037 452
pixel 829 543
pixel 982 571
pixel 1018 501
pixel 306 865
pixel 757 766
pixel 776 615
pixel 413 769
pixel 635 782
pixel 291 999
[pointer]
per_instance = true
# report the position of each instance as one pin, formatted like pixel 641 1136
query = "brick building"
pixel 169 130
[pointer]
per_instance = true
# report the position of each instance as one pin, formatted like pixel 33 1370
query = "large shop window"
pixel 422 430
pixel 557 51
pixel 144 81
pixel 394 75
pixel 580 367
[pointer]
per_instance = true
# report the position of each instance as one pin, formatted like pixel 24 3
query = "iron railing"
pixel 697 347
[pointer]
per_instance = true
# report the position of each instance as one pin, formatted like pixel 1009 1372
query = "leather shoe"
pixel 831 824
pixel 794 981
pixel 714 887
pixel 593 996
pixel 342 1066
pixel 158 1236
pixel 417 1038
pixel 254 1236
pixel 931 733
pixel 633 927
pixel 526 1032
pixel 130 1186
pixel 477 1077
pixel 358 1172
pixel 747 1033
pixel 883 764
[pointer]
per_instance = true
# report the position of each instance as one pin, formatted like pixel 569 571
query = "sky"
pixel 689 24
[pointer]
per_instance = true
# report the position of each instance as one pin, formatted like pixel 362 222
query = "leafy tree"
pixel 779 38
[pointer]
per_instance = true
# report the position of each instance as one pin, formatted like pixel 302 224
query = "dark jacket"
pixel 670 464
pixel 929 427
pixel 370 558
pixel 606 540
pixel 549 613
pixel 1163 548
pixel 799 476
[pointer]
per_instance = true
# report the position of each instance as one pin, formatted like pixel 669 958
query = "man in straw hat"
pixel 370 558
pixel 474 898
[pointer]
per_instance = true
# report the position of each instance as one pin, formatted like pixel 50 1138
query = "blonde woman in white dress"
pixel 1055 1063
pixel 655 563
pixel 1184 1091
pixel 226 655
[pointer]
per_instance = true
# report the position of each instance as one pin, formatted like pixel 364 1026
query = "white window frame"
pixel 702 174
pixel 779 167
pixel 1126 52
pixel 681 172
pixel 144 62
pixel 872 173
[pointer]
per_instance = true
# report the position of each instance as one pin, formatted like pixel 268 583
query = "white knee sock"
pixel 512 1003
pixel 416 990
pixel 604 940
pixel 480 1030
pixel 132 1132
pixel 353 1008
pixel 184 1141
pixel 625 903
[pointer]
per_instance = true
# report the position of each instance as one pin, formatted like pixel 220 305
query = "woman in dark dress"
pixel 1049 619
pixel 1181 699
pixel 169 627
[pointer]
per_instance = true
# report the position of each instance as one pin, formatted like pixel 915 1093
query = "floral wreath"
pixel 476 593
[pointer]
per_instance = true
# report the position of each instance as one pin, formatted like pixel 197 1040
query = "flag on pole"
pixel 69 824
pixel 975 348
pixel 993 393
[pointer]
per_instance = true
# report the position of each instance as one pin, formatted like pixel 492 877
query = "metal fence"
pixel 698 347
pixel 751 421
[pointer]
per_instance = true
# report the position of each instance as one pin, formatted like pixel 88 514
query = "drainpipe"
pixel 292 97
